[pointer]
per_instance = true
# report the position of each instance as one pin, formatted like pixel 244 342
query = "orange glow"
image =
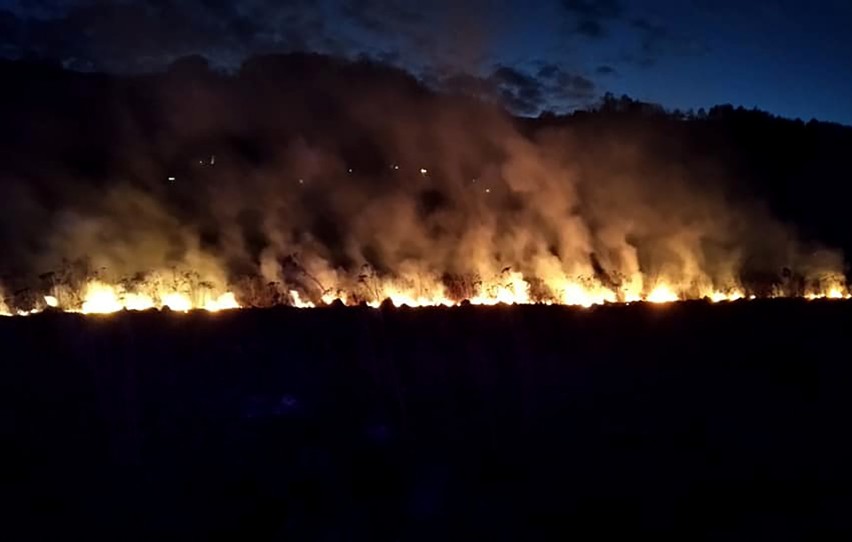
pixel 662 294
pixel 101 298
pixel 417 290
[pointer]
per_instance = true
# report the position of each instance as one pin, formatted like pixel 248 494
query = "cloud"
pixel 595 9
pixel 551 88
pixel 590 28
pixel 134 35
pixel 383 16
pixel 656 39
pixel 653 35
pixel 606 70
pixel 433 33
pixel 567 86
pixel 146 34
pixel 591 17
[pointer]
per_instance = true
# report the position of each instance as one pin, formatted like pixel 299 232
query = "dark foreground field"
pixel 719 422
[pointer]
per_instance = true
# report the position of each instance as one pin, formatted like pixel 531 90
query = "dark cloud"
pixel 606 70
pixel 567 87
pixel 519 91
pixel 146 34
pixel 383 16
pixel 548 70
pixel 505 75
pixel 514 89
pixel 591 17
pixel 590 28
pixel 595 9
pixel 438 32
pixel 551 88
pixel 133 35
pixel 652 35
pixel 594 19
pixel 656 39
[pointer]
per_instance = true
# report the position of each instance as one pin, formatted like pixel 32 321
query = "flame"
pixel 296 299
pixel 138 302
pixel 512 288
pixel 226 301
pixel 835 293
pixel 719 296
pixel 177 302
pixel 575 294
pixel 101 298
pixel 400 299
pixel 662 294
pixel 412 290
pixel 512 292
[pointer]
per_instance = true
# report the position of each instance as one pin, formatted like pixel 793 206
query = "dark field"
pixel 726 422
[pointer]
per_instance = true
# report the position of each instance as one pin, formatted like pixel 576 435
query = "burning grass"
pixel 187 291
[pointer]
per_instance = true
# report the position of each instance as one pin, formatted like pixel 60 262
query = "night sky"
pixel 788 57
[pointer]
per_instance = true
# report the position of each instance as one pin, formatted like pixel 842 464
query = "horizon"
pixel 693 113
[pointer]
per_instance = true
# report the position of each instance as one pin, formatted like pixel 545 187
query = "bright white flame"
pixel 662 294
pixel 177 302
pixel 100 298
pixel 512 290
pixel 576 294
pixel 138 302
pixel 51 301
pixel 297 301
pixel 226 301
pixel 835 293
pixel 719 296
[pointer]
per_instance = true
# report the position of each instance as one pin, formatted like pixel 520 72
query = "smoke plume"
pixel 306 178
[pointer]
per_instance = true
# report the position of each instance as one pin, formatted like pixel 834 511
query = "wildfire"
pixel 101 298
pixel 662 294
pixel 224 302
pixel 509 288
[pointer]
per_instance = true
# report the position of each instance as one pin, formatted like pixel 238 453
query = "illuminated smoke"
pixel 402 195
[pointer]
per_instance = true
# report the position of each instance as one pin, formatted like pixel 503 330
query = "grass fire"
pixel 96 297
pixel 448 200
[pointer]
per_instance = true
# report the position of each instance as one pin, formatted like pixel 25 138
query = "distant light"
pixel 301 181
pixel 487 190
pixel 423 171
pixel 473 180
pixel 350 170
pixel 171 179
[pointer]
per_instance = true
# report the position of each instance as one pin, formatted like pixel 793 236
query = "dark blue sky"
pixel 788 57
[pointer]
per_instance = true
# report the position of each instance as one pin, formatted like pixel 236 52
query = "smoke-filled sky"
pixel 784 56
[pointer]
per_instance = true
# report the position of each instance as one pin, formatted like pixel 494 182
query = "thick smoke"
pixel 325 178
